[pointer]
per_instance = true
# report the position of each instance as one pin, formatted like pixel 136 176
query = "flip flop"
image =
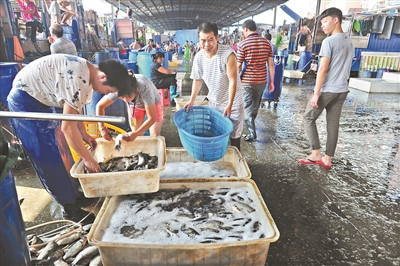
pixel 325 165
pixel 308 161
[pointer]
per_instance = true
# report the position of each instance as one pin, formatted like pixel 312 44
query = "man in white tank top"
pixel 215 64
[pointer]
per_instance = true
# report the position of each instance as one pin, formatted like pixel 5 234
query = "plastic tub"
pixel 232 159
pixel 133 56
pixel 204 132
pixel 102 56
pixel 144 62
pixel 127 182
pixel 133 66
pixel 250 252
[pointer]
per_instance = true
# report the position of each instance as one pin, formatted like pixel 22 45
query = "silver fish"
pixel 118 141
pixel 75 248
pixel 68 239
pixel 47 250
pixel 56 255
pixel 96 261
pixel 60 262
pixel 87 253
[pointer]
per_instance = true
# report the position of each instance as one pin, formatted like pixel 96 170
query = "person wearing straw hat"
pixel 61 81
pixel 216 66
pixel 66 13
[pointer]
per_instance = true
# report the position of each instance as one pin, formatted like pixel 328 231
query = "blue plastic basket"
pixel 204 132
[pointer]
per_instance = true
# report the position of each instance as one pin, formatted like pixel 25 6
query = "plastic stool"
pixel 165 97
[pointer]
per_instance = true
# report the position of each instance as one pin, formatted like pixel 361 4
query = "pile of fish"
pixel 68 247
pixel 186 216
pixel 139 161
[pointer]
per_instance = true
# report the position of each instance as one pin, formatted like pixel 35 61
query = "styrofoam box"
pixel 182 100
pixel 126 182
pixel 251 252
pixel 232 157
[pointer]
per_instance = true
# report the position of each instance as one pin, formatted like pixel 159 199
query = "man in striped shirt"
pixel 215 65
pixel 253 54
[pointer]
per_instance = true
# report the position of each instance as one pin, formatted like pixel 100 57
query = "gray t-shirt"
pixel 147 93
pixel 339 49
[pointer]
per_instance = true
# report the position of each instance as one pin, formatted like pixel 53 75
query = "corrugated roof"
pixel 169 15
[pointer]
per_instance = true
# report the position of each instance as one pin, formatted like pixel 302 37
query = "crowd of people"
pixel 235 77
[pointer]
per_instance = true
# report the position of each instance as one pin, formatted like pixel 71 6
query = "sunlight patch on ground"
pixel 35 201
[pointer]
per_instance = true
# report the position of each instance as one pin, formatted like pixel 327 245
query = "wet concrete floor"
pixel 348 215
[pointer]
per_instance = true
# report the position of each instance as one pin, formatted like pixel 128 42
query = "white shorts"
pixel 237 117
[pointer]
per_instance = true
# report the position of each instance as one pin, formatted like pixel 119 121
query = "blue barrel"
pixel 14 247
pixel 132 65
pixel 7 75
pixel 278 80
pixel 144 62
pixel 165 62
pixel 114 54
pixel 133 56
pixel 290 63
pixel 117 108
pixel 285 54
pixel 180 51
pixel 101 57
pixel 305 61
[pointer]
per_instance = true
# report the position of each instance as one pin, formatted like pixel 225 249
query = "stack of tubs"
pixel 116 185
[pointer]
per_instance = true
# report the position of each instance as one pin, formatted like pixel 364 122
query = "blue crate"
pixel 204 132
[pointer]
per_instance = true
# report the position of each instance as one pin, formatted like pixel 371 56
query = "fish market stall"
pixel 196 222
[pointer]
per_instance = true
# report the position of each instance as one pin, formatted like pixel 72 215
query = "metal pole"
pixel 318 7
pixel 64 117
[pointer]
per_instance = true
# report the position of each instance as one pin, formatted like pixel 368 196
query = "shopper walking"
pixel 331 87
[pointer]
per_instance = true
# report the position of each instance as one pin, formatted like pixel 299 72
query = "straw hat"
pixel 67 2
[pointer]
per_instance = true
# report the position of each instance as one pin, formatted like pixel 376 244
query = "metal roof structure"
pixel 169 15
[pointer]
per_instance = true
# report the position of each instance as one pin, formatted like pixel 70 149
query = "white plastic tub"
pixel 232 162
pixel 251 252
pixel 127 182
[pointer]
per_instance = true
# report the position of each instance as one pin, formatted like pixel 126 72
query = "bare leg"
pixel 155 129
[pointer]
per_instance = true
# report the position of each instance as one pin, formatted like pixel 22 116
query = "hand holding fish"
pixel 127 137
pixel 105 133
pixel 92 166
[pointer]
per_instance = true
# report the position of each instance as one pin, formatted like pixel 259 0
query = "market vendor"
pixel 66 82
pixel 143 99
